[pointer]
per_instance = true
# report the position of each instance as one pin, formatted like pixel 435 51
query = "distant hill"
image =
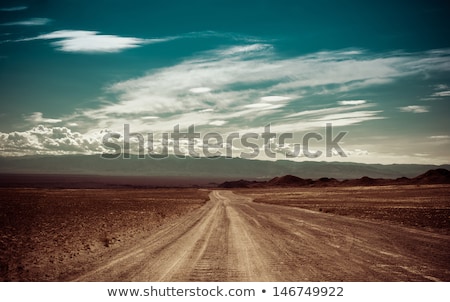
pixel 436 176
pixel 242 184
pixel 288 181
pixel 217 170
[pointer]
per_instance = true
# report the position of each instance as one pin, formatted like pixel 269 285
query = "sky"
pixel 73 71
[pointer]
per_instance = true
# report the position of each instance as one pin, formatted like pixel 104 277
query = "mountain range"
pixel 436 176
pixel 202 170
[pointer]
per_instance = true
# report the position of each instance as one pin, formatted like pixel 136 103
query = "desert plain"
pixel 356 233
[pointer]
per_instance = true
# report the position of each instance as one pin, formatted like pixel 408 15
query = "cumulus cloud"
pixel 92 41
pixel 37 117
pixel 29 22
pixel 49 140
pixel 414 109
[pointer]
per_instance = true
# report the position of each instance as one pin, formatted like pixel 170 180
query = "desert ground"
pixel 51 234
pixel 380 233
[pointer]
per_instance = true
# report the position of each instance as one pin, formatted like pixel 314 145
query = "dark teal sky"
pixel 379 70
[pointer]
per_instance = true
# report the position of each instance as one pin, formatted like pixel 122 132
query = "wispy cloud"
pixel 275 98
pixel 84 41
pixel 262 106
pixel 218 123
pixel 13 9
pixel 37 117
pixel 245 49
pixel 441 87
pixel 29 22
pixel 352 102
pixel 445 93
pixel 441 91
pixel 150 118
pixel 200 90
pixel 440 137
pixel 92 41
pixel 246 90
pixel 414 109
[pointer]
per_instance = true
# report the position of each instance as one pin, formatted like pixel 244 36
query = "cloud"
pixel 37 117
pixel 352 102
pixel 421 154
pixel 357 152
pixel 350 116
pixel 352 52
pixel 325 111
pixel 92 42
pixel 49 140
pixel 29 22
pixel 275 98
pixel 442 91
pixel 441 87
pixel 147 118
pixel 218 123
pixel 440 137
pixel 84 41
pixel 225 91
pixel 263 106
pixel 253 90
pixel 13 9
pixel 163 90
pixel 200 90
pixel 245 49
pixel 445 93
pixel 414 109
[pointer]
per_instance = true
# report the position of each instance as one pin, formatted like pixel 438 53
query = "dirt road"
pixel 232 238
